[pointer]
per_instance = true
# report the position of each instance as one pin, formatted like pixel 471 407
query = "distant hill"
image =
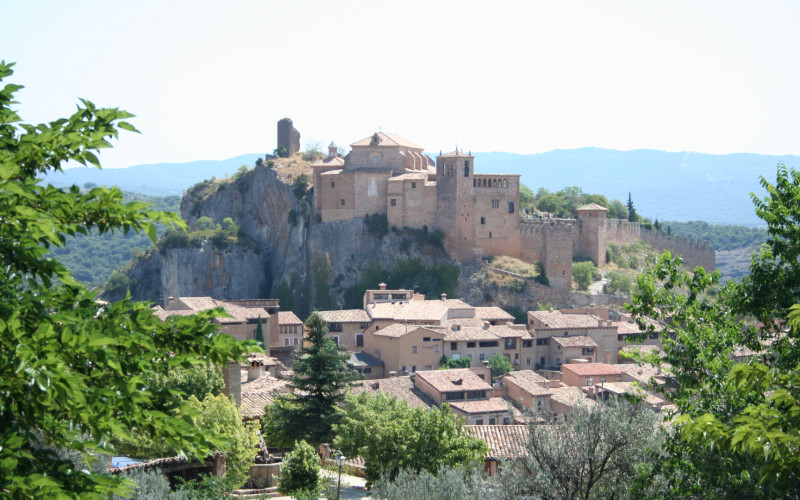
pixel 681 186
pixel 156 179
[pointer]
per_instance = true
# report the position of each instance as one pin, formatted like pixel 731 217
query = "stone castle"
pixel 478 213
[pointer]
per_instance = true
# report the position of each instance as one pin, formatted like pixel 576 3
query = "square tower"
pixel 455 193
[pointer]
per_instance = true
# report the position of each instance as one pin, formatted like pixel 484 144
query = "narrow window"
pixel 342 202
pixel 453 346
pixel 359 340
pixel 414 350
pixel 466 168
pixel 413 368
pixel 511 207
pixel 495 203
pixel 436 348
pixel 483 220
pixel 393 202
pixel 413 185
pixel 490 234
pixel 336 339
pixel 286 341
pixel 333 184
pixel 492 421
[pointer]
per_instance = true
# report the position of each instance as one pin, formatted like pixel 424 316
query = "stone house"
pixel 589 374
pixel 406 348
pixel 241 322
pixel 347 327
pixel 468 395
pixel 290 330
pixel 529 390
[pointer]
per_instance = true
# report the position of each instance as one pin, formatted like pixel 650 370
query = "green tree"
pixel 73 370
pixel 446 364
pixel 500 365
pixel 447 483
pixel 199 381
pixel 739 422
pixel 321 378
pixel 583 274
pixel 300 471
pixel 596 453
pixel 391 435
pixel 619 283
pixel 632 215
pixel 300 186
pixel 204 223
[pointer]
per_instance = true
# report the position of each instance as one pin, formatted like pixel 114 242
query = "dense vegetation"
pixel 563 203
pixel 720 237
pixel 410 274
pixel 92 258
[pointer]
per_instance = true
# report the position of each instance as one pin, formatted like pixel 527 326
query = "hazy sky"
pixel 209 80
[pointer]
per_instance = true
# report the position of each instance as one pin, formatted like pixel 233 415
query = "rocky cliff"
pixel 309 258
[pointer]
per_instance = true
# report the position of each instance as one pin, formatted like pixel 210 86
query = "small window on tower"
pixel 495 203
pixel 342 202
pixel 333 184
pixel 413 185
pixel 393 202
pixel 483 220
pixel 466 168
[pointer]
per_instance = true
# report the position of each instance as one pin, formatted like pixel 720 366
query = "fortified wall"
pixel 694 252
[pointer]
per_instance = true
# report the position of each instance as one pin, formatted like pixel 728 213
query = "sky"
pixel 209 80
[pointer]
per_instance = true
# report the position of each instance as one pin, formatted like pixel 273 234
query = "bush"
pixel 377 225
pixel 173 238
pixel 446 364
pixel 300 471
pixel 204 223
pixel 582 273
pixel 449 483
pixel 619 283
pixel 500 365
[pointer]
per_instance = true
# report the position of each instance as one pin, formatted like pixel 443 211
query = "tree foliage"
pixel 500 365
pixel 596 453
pixel 73 370
pixel 447 483
pixel 391 435
pixel 583 273
pixel 300 471
pixel 739 424
pixel 321 377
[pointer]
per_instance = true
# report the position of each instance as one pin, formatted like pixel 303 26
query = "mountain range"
pixel 668 186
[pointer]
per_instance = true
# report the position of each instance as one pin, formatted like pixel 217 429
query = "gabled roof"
pixel 493 314
pixel 397 330
pixel 574 341
pixel 473 406
pixel 592 206
pixel 529 381
pixel 288 318
pixel 591 369
pixel 455 380
pixel 559 320
pixel 470 333
pixel 398 387
pixel 186 306
pixel 414 310
pixel 336 161
pixel 385 139
pixel 504 441
pixel 345 316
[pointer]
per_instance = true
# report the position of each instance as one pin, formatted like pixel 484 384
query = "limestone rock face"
pixel 273 249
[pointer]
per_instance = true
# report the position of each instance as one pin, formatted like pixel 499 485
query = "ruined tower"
pixel 288 136
pixel 454 187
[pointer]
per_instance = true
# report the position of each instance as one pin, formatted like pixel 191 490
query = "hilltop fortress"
pixel 478 213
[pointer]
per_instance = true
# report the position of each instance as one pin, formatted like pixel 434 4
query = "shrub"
pixel 173 238
pixel 300 471
pixel 377 225
pixel 582 273
pixel 204 223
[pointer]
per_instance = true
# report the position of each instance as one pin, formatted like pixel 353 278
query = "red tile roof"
pixel 288 318
pixel 345 316
pixel 473 406
pixel 398 387
pixel 559 320
pixel 504 441
pixel 591 369
pixel 574 341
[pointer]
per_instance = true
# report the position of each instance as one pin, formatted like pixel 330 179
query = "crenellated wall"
pixel 549 241
pixel 694 252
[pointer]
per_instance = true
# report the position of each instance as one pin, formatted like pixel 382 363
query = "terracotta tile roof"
pixel 288 318
pixel 493 314
pixel 511 332
pixel 504 441
pixel 470 333
pixel 415 310
pixel 398 387
pixel 332 172
pixel 529 381
pixel 336 161
pixel 455 380
pixel 400 329
pixel 410 174
pixel 386 139
pixel 264 359
pixel 574 341
pixel 571 396
pixel 184 306
pixel 259 392
pixel 478 322
pixel 592 206
pixel 558 320
pixel 641 373
pixel 473 406
pixel 591 369
pixel 345 316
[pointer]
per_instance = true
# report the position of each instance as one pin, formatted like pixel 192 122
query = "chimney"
pixel 392 374
pixel 382 286
pixel 444 296
pixel 232 379
pixel 608 357
pixel 486 325
pixel 255 370
pixel 333 151
pixel 376 386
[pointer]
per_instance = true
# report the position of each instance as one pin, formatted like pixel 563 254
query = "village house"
pixel 241 322
pixel 589 374
pixel 290 330
pixel 347 327
pixel 406 348
pixel 468 395
pixel 529 390
pixel 505 443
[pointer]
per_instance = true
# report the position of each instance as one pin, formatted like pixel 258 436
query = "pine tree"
pixel 632 215
pixel 321 377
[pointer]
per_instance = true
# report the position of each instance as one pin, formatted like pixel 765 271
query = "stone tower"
pixel 455 217
pixel 591 240
pixel 288 136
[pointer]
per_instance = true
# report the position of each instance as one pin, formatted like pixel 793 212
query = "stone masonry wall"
pixel 288 136
pixel 694 252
